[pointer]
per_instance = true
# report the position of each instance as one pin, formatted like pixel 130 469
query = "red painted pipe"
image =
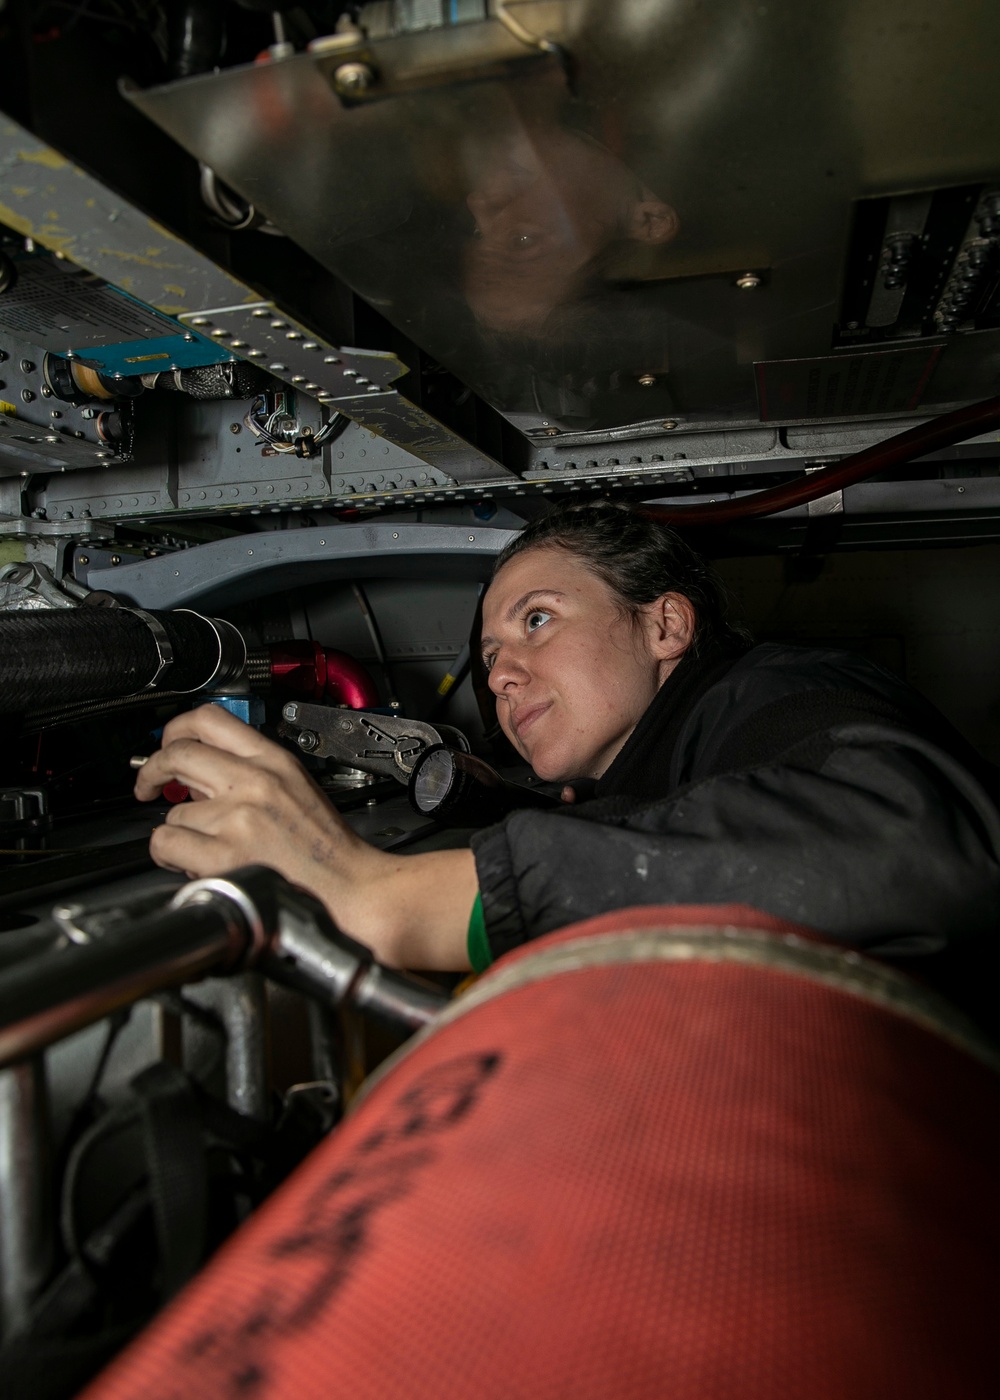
pixel 904 447
pixel 319 673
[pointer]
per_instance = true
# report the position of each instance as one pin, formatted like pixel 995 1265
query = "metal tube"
pixel 242 1006
pixel 895 452
pixel 26 1216
pixel 50 995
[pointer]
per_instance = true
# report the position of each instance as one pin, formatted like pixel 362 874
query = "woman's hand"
pixel 254 804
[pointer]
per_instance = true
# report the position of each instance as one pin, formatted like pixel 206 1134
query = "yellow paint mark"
pixel 22 191
pixel 8 408
pixel 90 203
pixel 46 157
pixel 16 221
pixel 12 552
pixel 139 258
pixel 177 291
pixel 141 359
pixel 51 215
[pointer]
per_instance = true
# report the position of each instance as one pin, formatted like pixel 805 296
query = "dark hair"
pixel 637 557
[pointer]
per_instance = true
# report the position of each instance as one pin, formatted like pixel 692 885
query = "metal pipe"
pixel 940 432
pixel 242 1007
pixel 26 1215
pixel 48 996
pixel 111 958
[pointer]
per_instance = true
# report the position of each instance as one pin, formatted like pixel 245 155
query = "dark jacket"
pixel 809 784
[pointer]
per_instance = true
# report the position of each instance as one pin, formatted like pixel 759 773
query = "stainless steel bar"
pixel 48 996
pixel 243 1008
pixel 26 1214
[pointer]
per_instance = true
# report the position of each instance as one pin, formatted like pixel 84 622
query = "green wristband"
pixel 478 944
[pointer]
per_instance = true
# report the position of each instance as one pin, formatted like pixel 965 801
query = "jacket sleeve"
pixel 875 838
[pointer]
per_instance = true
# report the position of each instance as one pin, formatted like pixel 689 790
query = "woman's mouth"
pixel 524 719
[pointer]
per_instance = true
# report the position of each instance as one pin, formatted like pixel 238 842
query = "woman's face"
pixel 572 674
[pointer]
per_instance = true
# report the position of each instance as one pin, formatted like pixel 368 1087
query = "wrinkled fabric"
pixel 809 784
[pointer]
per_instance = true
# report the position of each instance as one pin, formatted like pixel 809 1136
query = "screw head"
pixel 353 79
pixel 647 380
pixel 236 427
pixel 670 424
pixel 307 741
pixel 84 559
pixel 748 281
pixel 550 432
pixel 27 395
pixel 291 711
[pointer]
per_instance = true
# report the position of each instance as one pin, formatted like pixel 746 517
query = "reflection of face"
pixel 544 209
pixel 571 673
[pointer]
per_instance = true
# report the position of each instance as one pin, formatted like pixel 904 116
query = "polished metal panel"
pixel 61 207
pixel 622 239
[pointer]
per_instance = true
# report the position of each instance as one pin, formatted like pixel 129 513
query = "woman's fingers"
pixel 206 769
pixel 192 853
pixel 204 748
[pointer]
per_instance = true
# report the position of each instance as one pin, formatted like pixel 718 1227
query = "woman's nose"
pixel 508 670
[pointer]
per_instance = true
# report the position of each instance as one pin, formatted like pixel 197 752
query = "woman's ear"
pixel 671 621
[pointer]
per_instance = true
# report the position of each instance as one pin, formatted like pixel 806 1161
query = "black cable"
pixel 377 643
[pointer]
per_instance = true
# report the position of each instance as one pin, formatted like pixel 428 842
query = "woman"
pixel 809 784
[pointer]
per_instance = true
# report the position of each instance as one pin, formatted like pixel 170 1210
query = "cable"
pixel 376 636
pixel 896 451
pixel 306 444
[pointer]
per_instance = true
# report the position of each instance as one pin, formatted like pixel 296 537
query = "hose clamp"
pixel 164 649
pixel 232 661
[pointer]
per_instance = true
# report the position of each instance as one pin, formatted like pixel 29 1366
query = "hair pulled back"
pixel 637 557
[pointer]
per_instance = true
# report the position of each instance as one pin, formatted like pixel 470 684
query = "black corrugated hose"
pixel 54 658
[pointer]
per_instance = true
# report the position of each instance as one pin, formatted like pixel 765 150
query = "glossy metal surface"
pixel 25 1206
pixel 624 250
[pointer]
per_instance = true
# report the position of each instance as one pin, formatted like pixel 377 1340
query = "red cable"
pixel 915 442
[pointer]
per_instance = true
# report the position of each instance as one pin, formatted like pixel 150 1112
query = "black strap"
pixel 174 1144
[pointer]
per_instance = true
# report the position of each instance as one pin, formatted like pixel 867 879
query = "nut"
pixel 307 741
pixel 353 79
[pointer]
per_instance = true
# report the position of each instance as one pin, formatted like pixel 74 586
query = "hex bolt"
pixel 353 79
pixel 308 741
pixel 748 281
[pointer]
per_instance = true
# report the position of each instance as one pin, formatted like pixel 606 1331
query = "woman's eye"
pixel 535 619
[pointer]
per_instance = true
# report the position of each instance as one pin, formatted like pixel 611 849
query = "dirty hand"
pixel 254 804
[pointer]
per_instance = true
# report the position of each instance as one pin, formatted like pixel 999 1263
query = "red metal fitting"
pixel 319 673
